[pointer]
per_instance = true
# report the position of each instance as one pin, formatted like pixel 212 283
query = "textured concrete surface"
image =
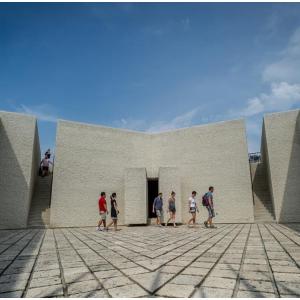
pixel 135 196
pixel 19 160
pixel 281 152
pixel 234 260
pixel 90 159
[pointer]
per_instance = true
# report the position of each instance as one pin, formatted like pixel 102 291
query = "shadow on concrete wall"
pixel 290 209
pixel 14 190
pixel 261 188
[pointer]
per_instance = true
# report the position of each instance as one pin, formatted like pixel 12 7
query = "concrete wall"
pixel 213 154
pixel 281 148
pixel 135 204
pixel 91 159
pixel 19 159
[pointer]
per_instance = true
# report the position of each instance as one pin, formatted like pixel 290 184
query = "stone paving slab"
pixel 234 260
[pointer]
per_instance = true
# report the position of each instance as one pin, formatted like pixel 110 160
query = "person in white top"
pixel 45 163
pixel 193 208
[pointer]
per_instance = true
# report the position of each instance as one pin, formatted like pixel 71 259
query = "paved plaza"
pixel 234 260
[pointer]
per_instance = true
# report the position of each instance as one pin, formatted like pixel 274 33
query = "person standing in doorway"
pixel 210 207
pixel 102 211
pixel 113 211
pixel 193 208
pixel 172 209
pixel 158 208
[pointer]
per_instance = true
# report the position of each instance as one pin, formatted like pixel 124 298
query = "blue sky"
pixel 150 67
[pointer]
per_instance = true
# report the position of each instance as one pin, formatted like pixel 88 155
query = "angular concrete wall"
pixel 213 154
pixel 19 160
pixel 91 159
pixel 135 197
pixel 281 153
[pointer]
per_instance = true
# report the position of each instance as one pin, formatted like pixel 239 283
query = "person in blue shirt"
pixel 158 208
pixel 210 207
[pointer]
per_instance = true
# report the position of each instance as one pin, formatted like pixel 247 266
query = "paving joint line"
pixel 296 263
pixel 283 233
pixel 34 264
pixel 274 284
pixel 289 229
pixel 108 261
pixel 14 259
pixel 222 254
pixel 151 293
pixel 150 270
pixel 12 235
pixel 238 279
pixel 63 282
pixel 226 226
pixel 96 278
pixel 26 234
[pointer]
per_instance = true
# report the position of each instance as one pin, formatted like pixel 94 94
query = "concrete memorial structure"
pixel 19 160
pixel 137 165
pixel 91 159
pixel 281 154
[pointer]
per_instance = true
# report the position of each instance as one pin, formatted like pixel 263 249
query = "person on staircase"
pixel 114 211
pixel 48 153
pixel 44 165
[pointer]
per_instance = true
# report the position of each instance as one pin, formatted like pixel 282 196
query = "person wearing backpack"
pixel 207 201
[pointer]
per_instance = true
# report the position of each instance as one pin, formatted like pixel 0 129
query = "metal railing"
pixel 254 157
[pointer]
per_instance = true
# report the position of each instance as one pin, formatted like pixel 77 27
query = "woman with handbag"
pixel 113 211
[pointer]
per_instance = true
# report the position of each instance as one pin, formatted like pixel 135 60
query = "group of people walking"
pixel 103 211
pixel 207 201
pixel 193 208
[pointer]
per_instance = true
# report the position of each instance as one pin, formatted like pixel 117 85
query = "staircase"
pixel 39 215
pixel 263 206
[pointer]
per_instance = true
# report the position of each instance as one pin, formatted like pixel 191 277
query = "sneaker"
pixel 98 229
pixel 205 224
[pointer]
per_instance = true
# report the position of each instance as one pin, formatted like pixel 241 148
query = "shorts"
pixel 211 212
pixel 192 210
pixel 45 168
pixel 102 216
pixel 172 210
pixel 158 213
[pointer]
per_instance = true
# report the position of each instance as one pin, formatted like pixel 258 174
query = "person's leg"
pixel 115 224
pixel 111 222
pixel 174 217
pixel 168 219
pixel 194 218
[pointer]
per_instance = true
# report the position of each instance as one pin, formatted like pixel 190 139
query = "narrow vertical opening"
pixel 152 193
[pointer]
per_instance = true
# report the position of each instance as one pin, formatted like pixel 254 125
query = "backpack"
pixel 205 200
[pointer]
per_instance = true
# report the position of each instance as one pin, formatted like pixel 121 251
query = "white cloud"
pixel 287 68
pixel 42 112
pixel 131 124
pixel 283 96
pixel 180 121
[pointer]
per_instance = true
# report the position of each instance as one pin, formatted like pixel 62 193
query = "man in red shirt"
pixel 102 211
